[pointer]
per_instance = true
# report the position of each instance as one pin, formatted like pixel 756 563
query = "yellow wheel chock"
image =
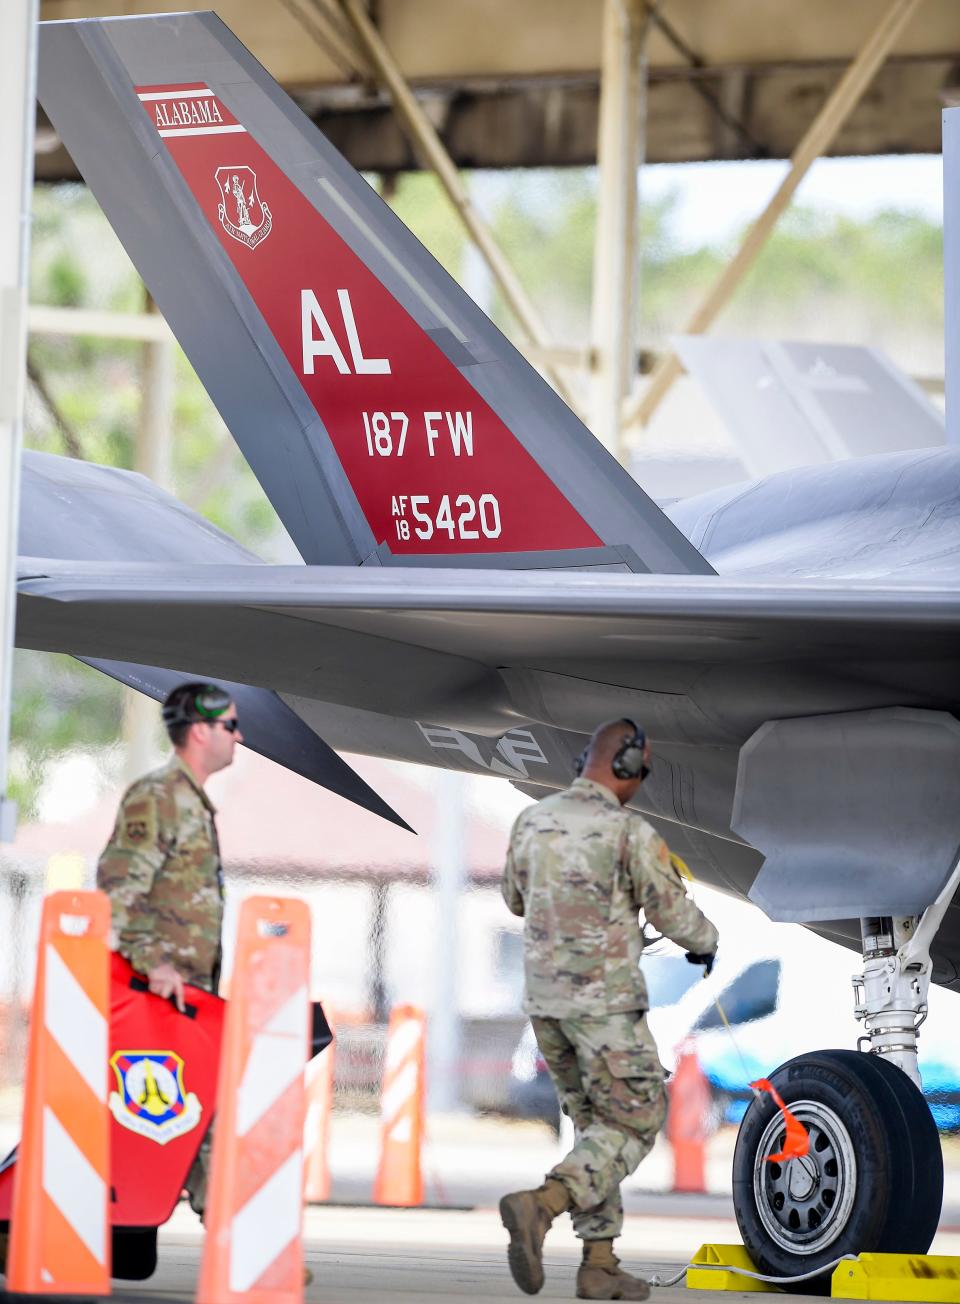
pixel 712 1278
pixel 909 1278
pixel 906 1277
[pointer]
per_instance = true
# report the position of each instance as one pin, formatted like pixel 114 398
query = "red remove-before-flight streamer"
pixel 797 1142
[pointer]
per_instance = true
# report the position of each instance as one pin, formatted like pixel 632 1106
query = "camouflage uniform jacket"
pixel 161 870
pixel 579 869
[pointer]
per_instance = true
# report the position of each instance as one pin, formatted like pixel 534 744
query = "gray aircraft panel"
pixel 433 649
pixel 78 510
pixel 414 598
pixel 895 517
pixel 798 403
pixel 803 783
pixel 88 78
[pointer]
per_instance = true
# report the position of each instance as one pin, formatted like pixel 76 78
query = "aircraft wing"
pixel 505 674
pixel 445 645
pixel 484 616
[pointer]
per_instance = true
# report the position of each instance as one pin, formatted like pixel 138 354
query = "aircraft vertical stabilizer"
pixel 385 416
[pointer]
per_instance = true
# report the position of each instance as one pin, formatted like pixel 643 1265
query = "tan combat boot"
pixel 601 1277
pixel 527 1216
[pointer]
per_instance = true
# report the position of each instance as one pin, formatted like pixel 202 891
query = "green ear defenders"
pixel 195 703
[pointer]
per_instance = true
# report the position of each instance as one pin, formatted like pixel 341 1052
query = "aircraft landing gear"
pixel 873 1179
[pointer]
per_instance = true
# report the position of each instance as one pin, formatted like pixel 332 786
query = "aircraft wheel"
pixel 872 1181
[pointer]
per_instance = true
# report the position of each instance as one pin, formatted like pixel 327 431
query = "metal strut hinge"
pixel 891 993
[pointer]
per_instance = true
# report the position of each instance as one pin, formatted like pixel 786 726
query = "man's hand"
pixel 706 960
pixel 165 981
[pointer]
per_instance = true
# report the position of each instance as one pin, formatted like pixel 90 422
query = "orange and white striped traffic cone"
pixel 60 1216
pixel 253 1250
pixel 316 1132
pixel 399 1179
pixel 689 1094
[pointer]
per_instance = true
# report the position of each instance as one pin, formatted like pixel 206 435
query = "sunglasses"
pixel 231 726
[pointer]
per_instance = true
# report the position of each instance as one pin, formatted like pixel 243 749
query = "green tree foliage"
pixel 59 705
pixel 876 281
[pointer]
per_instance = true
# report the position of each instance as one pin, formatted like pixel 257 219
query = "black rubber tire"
pixel 134 1253
pixel 899 1182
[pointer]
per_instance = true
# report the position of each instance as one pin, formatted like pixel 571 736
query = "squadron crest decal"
pixel 150 1099
pixel 242 213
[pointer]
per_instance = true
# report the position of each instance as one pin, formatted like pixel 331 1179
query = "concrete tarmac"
pixel 374 1256
pixel 364 1255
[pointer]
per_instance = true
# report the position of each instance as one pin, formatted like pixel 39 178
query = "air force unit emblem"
pixel 242 213
pixel 150 1099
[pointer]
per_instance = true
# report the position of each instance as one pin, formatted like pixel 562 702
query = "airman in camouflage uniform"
pixel 579 869
pixel 161 867
pixel 161 870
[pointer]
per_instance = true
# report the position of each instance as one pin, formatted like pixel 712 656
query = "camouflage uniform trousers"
pixel 610 1082
pixel 199 1174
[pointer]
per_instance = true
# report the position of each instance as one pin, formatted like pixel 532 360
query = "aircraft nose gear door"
pixel 872 1180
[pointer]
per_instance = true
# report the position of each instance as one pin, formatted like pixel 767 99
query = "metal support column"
pixel 18 49
pixel 377 995
pixel 152 458
pixel 817 141
pixel 449 876
pixel 431 149
pixel 620 143
pixel 951 269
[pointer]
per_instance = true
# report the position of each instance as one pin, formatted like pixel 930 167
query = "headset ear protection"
pixel 628 763
pixel 198 704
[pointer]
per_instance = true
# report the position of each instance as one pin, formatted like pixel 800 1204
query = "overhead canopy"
pixel 518 85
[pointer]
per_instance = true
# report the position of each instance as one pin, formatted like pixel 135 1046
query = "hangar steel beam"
pixel 18 62
pixel 324 26
pixel 152 458
pixel 951 270
pixel 427 140
pixel 620 148
pixel 817 139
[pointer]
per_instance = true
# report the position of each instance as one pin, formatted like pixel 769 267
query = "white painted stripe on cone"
pixel 266 1224
pixel 400 1090
pixel 401 1043
pixel 276 1059
pixel 74 1185
pixel 291 1018
pixel 75 1024
pixel 402 1130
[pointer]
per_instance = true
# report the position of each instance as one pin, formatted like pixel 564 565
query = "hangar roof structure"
pixel 509 84
pixel 401 84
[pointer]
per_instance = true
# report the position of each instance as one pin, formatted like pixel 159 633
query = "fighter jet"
pixel 483 583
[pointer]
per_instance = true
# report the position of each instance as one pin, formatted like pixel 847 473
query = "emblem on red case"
pixel 150 1099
